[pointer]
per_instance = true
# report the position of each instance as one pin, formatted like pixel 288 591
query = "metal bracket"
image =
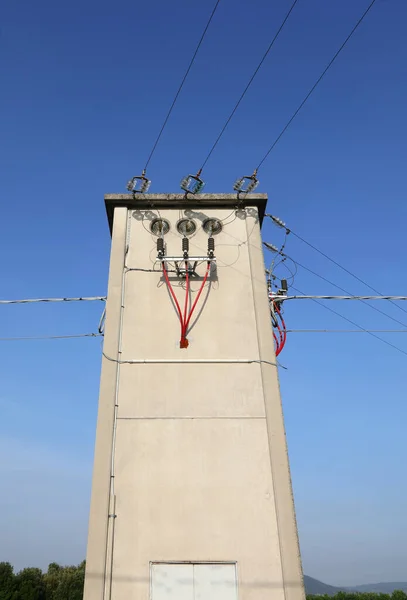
pixel 192 262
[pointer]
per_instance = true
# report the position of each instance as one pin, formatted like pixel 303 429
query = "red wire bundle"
pixel 281 328
pixel 183 318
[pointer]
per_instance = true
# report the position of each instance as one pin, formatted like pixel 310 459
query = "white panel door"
pixel 198 581
pixel 172 581
pixel 215 582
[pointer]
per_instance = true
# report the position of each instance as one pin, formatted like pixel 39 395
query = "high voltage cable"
pixel 346 331
pixel 50 337
pixel 222 131
pixel 37 300
pixel 344 298
pixel 286 126
pixel 280 223
pixel 181 86
pixel 343 268
pixel 347 292
pixel 354 323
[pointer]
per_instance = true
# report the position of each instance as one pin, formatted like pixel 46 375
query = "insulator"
pixel 246 184
pixel 145 187
pixel 160 246
pixel 139 184
pixel 211 246
pixel 237 184
pixel 185 245
pixel 270 247
pixel 159 227
pixel 284 285
pixel 192 184
pixel 186 227
pixel 278 221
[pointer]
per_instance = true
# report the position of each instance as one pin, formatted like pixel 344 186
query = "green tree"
pixel 7 581
pixel 399 595
pixel 71 583
pixel 29 585
pixel 51 580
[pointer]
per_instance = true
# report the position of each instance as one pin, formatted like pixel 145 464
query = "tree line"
pixel 396 595
pixel 58 583
pixel 66 583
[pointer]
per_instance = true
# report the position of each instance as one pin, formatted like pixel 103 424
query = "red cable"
pixel 184 342
pixel 276 341
pixel 169 286
pixel 282 332
pixel 282 323
pixel 208 268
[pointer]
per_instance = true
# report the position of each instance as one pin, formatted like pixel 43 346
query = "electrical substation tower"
pixel 191 495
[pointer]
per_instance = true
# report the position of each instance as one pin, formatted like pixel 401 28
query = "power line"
pixel 343 268
pixel 222 131
pixel 346 331
pixel 369 332
pixel 344 298
pixel 50 337
pixel 347 292
pixel 37 300
pixel 286 126
pixel 181 86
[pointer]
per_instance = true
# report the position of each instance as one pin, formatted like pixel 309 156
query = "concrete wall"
pixel 191 463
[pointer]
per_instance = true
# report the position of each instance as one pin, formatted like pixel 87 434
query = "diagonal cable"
pixel 344 268
pixel 347 292
pixel 181 86
pixel 318 81
pixel 355 324
pixel 222 131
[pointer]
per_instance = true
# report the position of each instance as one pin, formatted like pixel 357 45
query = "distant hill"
pixel 382 588
pixel 318 588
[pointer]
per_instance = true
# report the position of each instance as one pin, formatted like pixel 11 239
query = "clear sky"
pixel 84 88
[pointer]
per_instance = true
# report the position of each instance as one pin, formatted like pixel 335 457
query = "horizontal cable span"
pixel 36 300
pixel 50 337
pixel 346 330
pixel 188 361
pixel 340 297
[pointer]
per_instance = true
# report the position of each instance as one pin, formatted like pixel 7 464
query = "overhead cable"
pixel 181 86
pixel 354 323
pixel 249 83
pixel 318 81
pixel 37 300
pixel 50 337
pixel 345 298
pixel 347 292
pixel 273 249
pixel 346 330
pixel 344 268
pixel 281 224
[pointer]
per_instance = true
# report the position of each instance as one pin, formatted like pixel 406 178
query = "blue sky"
pixel 85 86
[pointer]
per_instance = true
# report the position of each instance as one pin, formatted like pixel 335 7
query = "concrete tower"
pixel 191 496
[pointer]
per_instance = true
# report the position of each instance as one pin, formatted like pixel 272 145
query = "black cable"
pixel 181 86
pixel 314 86
pixel 353 323
pixel 344 269
pixel 248 85
pixel 349 293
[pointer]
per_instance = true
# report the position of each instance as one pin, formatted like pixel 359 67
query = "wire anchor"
pixel 139 184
